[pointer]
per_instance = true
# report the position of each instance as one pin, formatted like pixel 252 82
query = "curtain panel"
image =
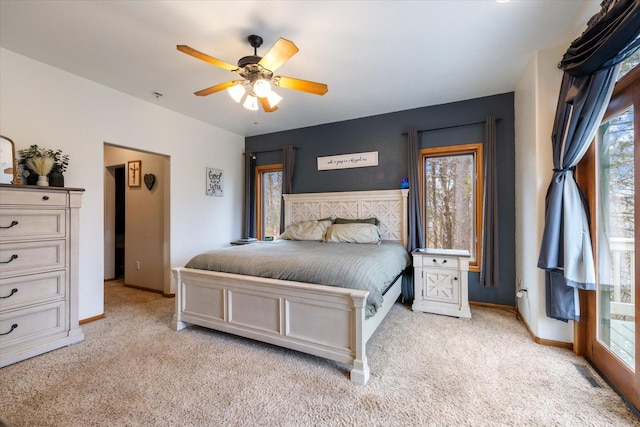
pixel 414 206
pixel 249 225
pixel 489 271
pixel 590 68
pixel 288 163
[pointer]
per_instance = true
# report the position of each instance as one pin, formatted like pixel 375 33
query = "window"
pixel 451 186
pixel 268 200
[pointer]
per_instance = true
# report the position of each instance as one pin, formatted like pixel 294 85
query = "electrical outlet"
pixel 137 265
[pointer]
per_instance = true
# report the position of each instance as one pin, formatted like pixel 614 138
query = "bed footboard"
pixel 321 320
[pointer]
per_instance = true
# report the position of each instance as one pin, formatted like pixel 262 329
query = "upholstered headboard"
pixel 389 206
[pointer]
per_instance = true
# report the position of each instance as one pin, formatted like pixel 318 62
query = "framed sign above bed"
pixel 344 161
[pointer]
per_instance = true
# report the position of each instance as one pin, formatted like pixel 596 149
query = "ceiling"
pixel 376 56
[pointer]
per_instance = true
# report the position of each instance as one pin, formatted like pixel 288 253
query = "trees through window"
pixel 451 185
pixel 268 200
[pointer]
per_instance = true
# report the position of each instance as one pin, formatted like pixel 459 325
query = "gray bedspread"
pixel 347 265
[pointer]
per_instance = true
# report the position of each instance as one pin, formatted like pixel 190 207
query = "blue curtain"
pixel 414 207
pixel 590 68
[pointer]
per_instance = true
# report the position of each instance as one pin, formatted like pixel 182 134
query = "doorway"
pixel 136 219
pixel 119 205
pixel 610 174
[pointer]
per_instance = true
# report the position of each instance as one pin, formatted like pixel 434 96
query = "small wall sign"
pixel 135 169
pixel 344 161
pixel 214 182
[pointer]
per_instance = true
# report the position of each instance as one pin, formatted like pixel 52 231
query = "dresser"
pixel 38 270
pixel 441 283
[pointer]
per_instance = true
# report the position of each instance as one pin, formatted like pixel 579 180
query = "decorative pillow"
pixel 373 221
pixel 353 233
pixel 306 230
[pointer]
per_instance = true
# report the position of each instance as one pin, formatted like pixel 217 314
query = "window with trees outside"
pixel 451 186
pixel 268 200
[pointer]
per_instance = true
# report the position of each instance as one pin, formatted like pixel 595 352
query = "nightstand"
pixel 441 282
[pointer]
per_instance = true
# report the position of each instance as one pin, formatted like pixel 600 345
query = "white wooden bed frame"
pixel 321 320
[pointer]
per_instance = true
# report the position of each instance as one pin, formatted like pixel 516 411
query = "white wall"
pixel 43 105
pixel 535 100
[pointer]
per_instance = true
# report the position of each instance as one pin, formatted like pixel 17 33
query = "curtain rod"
pixel 454 126
pixel 267 151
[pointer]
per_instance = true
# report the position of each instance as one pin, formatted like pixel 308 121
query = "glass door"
pixel 616 237
pixel 614 344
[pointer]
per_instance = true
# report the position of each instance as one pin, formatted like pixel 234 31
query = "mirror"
pixel 8 165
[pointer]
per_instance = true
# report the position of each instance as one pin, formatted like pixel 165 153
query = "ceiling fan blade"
pixel 278 54
pixel 301 85
pixel 206 58
pixel 216 88
pixel 265 105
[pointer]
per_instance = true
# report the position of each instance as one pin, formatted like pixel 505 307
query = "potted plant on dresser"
pixel 35 161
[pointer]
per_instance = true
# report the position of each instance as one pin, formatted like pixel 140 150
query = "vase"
pixel 43 181
pixel 31 179
pixel 56 179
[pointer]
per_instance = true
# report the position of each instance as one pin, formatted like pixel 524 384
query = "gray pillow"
pixel 306 230
pixel 373 221
pixel 353 233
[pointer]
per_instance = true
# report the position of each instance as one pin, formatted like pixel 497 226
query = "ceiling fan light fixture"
pixel 251 103
pixel 273 99
pixel 261 88
pixel 236 92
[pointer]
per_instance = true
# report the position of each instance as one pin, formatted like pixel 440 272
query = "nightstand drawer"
pixel 16 225
pixel 35 288
pixel 32 257
pixel 20 326
pixel 44 198
pixel 443 262
pixel 435 261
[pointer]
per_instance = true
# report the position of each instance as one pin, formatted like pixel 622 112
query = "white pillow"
pixel 306 230
pixel 353 233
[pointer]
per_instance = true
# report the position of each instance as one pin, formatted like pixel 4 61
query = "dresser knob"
pixel 15 325
pixel 13 291
pixel 444 261
pixel 455 278
pixel 45 197
pixel 13 224
pixel 14 256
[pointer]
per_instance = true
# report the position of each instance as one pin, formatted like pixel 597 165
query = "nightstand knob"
pixel 434 260
pixel 444 261
pixel 455 278
pixel 45 197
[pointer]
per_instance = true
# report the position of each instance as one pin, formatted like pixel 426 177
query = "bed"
pixel 325 321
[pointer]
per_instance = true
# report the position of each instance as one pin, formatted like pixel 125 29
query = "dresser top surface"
pixel 37 188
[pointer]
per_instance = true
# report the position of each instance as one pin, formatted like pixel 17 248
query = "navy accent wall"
pixel 383 133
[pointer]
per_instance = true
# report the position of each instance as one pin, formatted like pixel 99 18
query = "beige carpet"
pixel 132 370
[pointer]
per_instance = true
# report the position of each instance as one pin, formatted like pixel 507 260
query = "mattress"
pixel 348 265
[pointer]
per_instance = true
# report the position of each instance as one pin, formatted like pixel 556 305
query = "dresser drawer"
pixel 17 327
pixel 32 257
pixel 44 198
pixel 35 288
pixel 16 224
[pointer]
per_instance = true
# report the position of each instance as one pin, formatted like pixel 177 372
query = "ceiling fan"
pixel 257 75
